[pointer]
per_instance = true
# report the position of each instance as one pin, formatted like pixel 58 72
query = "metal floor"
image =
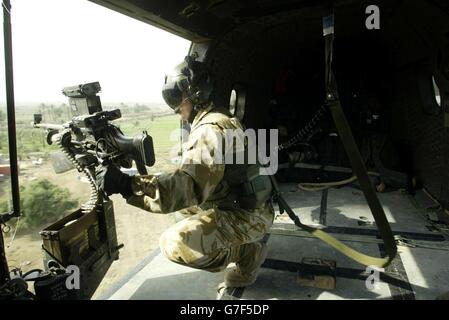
pixel 420 271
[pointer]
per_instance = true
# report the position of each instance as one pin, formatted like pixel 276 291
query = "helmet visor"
pixel 172 95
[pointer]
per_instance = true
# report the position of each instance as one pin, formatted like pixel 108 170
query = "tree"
pixel 41 108
pixel 42 202
pixel 139 108
pixel 52 112
pixel 59 112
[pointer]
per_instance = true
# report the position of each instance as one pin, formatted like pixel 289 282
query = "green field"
pixel 161 129
pixel 31 140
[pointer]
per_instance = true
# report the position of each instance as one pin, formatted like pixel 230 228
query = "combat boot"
pixel 247 264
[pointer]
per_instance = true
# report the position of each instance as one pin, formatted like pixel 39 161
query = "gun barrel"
pixel 48 126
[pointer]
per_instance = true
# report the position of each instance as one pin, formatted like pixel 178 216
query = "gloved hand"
pixel 111 180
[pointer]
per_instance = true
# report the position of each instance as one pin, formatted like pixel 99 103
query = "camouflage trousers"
pixel 209 239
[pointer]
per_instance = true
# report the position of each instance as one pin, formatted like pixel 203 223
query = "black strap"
pixel 344 131
pixel 358 166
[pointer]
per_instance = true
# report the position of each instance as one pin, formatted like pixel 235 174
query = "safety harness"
pixel 333 103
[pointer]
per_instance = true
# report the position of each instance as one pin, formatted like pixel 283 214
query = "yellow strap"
pixel 332 241
pixel 348 251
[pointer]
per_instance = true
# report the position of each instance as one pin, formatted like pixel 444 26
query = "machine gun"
pixel 86 239
pixel 93 139
pixel 89 139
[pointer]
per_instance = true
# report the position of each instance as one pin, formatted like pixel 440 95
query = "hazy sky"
pixel 59 43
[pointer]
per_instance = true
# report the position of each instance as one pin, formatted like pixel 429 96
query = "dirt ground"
pixel 137 229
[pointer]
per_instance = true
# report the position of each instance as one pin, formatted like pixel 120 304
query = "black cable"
pixel 31 271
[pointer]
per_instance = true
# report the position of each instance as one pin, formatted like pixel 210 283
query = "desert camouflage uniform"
pixel 215 227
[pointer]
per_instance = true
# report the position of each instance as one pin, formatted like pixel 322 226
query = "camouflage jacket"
pixel 198 180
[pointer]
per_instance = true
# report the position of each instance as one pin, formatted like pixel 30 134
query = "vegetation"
pixel 54 114
pixel 42 202
pixel 135 119
pixel 160 129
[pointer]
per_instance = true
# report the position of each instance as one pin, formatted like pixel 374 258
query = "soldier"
pixel 227 206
